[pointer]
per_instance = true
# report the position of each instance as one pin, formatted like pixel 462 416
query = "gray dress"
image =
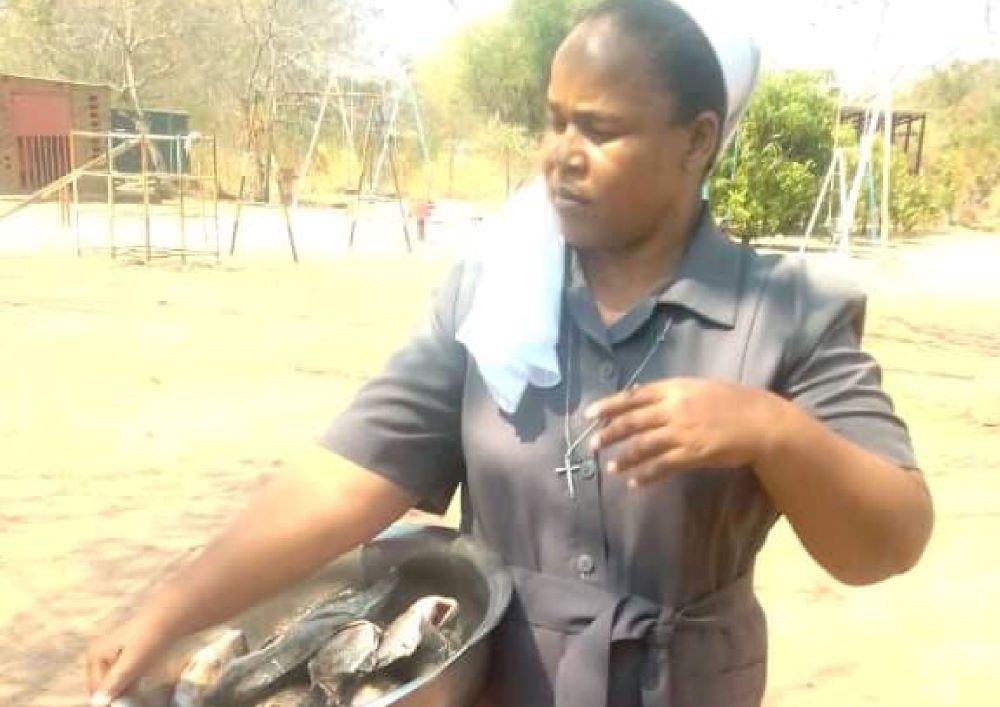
pixel 624 598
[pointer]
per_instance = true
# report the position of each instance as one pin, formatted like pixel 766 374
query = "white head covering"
pixel 738 55
pixel 512 328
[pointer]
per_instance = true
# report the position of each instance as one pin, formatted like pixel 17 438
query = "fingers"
pixel 640 449
pixel 623 402
pixel 114 662
pixel 102 672
pixel 118 677
pixel 654 469
pixel 99 662
pixel 628 425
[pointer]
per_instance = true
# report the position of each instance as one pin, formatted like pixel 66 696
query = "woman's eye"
pixel 601 134
pixel 556 124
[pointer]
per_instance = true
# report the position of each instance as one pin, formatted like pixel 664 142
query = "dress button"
pixel 585 564
pixel 589 469
pixel 606 371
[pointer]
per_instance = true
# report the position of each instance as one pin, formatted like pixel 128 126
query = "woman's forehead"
pixel 600 63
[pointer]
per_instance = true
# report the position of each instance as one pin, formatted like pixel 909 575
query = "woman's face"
pixel 616 164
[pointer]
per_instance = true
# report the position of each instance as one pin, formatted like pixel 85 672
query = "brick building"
pixel 36 117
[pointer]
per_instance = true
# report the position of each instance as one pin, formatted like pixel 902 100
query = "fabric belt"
pixel 598 619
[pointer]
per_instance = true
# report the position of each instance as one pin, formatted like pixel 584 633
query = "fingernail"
pixel 633 484
pixel 595 443
pixel 612 467
pixel 100 699
pixel 592 412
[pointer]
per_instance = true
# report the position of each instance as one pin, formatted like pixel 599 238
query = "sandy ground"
pixel 143 403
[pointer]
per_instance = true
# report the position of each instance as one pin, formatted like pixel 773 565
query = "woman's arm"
pixel 404 424
pixel 861 517
pixel 293 526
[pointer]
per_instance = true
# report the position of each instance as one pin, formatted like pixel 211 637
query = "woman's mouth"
pixel 565 199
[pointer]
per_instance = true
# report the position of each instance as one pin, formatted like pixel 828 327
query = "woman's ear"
pixel 704 142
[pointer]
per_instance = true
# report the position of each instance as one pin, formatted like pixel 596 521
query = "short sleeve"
pixel 405 424
pixel 829 375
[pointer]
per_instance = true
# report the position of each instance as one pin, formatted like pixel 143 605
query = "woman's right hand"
pixel 119 657
pixel 312 516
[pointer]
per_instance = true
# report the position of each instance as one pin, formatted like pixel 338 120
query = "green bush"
pixel 914 202
pixel 911 204
pixel 768 181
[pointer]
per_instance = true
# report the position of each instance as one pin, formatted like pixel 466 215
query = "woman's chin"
pixel 581 234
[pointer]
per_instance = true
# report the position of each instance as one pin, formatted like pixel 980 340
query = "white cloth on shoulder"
pixel 512 327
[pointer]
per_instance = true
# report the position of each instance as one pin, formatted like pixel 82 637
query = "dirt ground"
pixel 143 403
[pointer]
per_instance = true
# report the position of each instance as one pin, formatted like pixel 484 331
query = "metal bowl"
pixel 429 561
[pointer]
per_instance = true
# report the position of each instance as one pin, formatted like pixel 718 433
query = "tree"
pixel 963 140
pixel 507 60
pixel 125 41
pixel 768 181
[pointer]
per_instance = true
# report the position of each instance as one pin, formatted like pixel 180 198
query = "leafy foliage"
pixel 767 183
pixel 963 142
pixel 507 62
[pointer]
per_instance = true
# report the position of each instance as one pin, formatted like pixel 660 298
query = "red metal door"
pixel 42 122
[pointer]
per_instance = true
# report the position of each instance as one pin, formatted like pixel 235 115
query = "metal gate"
pixel 43 159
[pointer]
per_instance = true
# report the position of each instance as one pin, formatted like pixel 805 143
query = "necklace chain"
pixel 571 444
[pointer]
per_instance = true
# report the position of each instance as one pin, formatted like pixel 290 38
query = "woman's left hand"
pixel 683 424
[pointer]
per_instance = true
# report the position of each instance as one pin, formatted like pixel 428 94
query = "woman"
pixel 625 444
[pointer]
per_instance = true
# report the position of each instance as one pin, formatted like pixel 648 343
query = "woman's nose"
pixel 571 160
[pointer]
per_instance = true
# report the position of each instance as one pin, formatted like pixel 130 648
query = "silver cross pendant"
pixel 569 470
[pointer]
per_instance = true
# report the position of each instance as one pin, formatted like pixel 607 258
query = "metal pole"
pixel 236 217
pixel 867 141
pixel 421 134
pixel 179 154
pixel 76 197
pixel 890 131
pixel 399 195
pixel 389 130
pixel 143 168
pixel 317 127
pixel 111 197
pixel 842 178
pixel 285 212
pixel 819 203
pixel 245 159
pixel 920 146
pixel 198 169
pixel 365 159
pixel 64 199
pixel 215 191
pixel 345 120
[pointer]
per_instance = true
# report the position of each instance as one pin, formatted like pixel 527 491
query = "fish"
pixel 205 666
pixel 415 645
pixel 358 604
pixel 344 659
pixel 249 679
pixel 422 625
